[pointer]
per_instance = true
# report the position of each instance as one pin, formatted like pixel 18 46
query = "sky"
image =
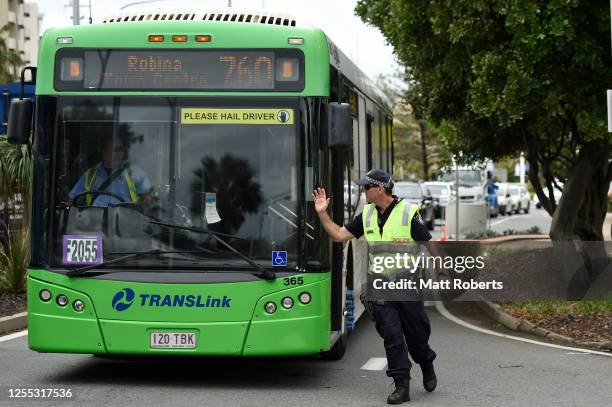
pixel 364 44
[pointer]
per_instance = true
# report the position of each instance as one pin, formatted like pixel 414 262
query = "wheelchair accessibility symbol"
pixel 279 258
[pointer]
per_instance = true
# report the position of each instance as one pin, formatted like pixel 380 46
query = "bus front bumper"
pixel 298 336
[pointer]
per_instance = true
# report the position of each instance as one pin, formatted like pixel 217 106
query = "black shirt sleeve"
pixel 355 226
pixel 418 229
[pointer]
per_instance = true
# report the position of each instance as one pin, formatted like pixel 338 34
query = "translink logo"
pixel 123 299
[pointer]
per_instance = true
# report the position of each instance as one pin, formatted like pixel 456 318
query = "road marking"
pixel 525 216
pixel 442 310
pixel 375 364
pixel 497 222
pixel 13 336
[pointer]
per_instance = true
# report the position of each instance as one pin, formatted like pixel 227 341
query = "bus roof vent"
pixel 226 15
pixel 158 15
pixel 250 17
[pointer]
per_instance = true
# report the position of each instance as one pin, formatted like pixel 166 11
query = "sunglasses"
pixel 367 187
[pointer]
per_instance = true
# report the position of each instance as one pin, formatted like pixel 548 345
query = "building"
pixel 23 33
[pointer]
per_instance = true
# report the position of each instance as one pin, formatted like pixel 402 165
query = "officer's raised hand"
pixel 321 201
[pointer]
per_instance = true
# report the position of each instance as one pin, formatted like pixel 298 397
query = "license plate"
pixel 173 340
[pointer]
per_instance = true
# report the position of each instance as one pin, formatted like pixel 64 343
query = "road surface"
pixel 474 369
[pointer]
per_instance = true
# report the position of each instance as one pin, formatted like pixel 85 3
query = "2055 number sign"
pixel 82 250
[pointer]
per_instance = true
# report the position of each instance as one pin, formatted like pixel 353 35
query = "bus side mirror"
pixel 19 124
pixel 19 121
pixel 339 126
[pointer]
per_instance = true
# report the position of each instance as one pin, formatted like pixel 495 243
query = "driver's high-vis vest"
pixel 396 234
pixel 90 177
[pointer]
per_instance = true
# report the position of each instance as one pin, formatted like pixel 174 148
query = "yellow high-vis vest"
pixel 90 177
pixel 396 234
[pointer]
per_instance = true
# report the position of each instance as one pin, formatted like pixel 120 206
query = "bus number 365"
pixel 293 280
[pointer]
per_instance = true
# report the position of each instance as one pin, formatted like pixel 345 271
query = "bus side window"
pixel 376 140
pixel 369 145
pixel 362 137
pixel 391 149
pixel 384 146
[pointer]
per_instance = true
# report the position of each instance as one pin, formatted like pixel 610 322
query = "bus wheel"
pixel 337 351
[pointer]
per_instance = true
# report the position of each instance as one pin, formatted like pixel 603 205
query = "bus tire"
pixel 337 351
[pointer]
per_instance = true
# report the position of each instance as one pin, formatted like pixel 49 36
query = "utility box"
pixel 472 217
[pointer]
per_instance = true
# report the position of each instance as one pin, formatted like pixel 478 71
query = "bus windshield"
pixel 126 165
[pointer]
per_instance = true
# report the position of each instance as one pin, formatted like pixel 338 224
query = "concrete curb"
pixel 497 313
pixel 511 238
pixel 13 322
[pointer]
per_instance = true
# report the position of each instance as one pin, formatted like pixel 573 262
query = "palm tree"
pixel 14 263
pixel 15 174
pixel 10 61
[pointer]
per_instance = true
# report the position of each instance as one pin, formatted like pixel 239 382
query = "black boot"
pixel 429 376
pixel 402 390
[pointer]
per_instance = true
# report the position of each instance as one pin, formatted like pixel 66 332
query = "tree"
pixel 232 179
pixel 9 60
pixel 15 175
pixel 504 76
pixel 416 153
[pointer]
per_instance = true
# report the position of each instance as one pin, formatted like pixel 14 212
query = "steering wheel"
pixel 84 193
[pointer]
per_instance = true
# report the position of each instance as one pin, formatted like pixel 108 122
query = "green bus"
pixel 175 156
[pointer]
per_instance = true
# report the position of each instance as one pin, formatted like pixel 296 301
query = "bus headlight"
pixel 78 305
pixel 44 295
pixel 304 298
pixel 62 300
pixel 270 307
pixel 287 302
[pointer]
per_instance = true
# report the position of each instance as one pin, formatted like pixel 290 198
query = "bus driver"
pixel 113 180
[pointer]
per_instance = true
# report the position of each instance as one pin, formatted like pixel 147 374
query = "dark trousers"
pixel 405 328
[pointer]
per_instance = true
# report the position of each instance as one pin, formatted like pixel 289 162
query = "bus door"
pixel 340 179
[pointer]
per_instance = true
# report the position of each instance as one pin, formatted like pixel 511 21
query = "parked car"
pixel 520 197
pixel 414 193
pixel 504 203
pixel 441 192
pixel 556 194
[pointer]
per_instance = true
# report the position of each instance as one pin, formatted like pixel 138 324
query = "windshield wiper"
pixel 81 270
pixel 264 273
pixel 196 230
pixel 84 271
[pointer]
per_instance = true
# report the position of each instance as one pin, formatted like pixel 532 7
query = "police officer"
pixel 403 325
pixel 123 182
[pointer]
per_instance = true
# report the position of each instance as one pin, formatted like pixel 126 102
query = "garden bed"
pixel 11 304
pixel 585 321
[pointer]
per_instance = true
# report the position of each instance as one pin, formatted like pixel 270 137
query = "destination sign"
pixel 126 69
